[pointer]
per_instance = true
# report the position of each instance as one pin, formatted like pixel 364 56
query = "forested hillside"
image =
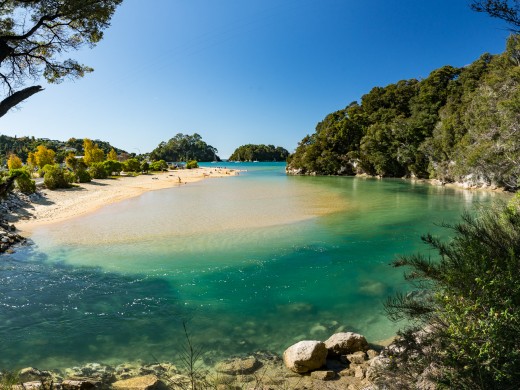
pixel 458 124
pixel 260 152
pixel 21 146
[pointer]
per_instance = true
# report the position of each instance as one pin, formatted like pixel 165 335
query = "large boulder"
pixel 346 343
pixel 305 356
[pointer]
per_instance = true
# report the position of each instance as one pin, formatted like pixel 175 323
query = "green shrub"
pixel 112 167
pixel 159 165
pixel 24 182
pixel 83 176
pixel 192 164
pixel 97 171
pixel 54 177
pixel 469 300
pixel 132 165
pixel 145 167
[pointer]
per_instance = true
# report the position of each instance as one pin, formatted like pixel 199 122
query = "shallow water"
pixel 254 262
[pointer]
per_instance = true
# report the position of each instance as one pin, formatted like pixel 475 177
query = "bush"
pixel 112 167
pixel 97 171
pixel 145 167
pixel 192 164
pixel 160 165
pixel 469 302
pixel 54 177
pixel 132 165
pixel 24 182
pixel 83 176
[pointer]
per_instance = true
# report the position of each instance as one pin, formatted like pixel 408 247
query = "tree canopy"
pixel 458 124
pixel 34 34
pixel 507 10
pixel 260 152
pixel 184 147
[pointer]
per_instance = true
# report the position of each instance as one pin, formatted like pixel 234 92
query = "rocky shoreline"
pixel 14 207
pixel 345 361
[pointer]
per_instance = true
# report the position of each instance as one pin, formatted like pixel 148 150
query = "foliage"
pixel 112 167
pixel 467 303
pixel 160 165
pixel 24 182
pixel 41 157
pixel 14 162
pixel 192 164
pixel 92 153
pixel 132 165
pixel 145 167
pixel 22 146
pixel 184 148
pixel 458 124
pixel 54 177
pixel 83 176
pixel 34 35
pixel 112 155
pixel 261 152
pixel 9 380
pixel 97 170
pixel 508 10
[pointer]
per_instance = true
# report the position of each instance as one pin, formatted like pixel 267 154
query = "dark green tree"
pixel 34 34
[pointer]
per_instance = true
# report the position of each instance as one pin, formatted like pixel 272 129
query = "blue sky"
pixel 248 71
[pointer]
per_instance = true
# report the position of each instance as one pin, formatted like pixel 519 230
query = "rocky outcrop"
pixel 346 343
pixel 305 356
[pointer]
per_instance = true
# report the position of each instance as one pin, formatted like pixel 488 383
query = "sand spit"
pixel 84 198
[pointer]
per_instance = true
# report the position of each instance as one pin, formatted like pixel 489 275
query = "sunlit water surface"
pixel 254 262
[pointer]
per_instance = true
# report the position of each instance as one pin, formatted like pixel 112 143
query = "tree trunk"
pixel 17 97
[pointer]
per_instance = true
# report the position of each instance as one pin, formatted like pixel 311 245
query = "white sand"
pixel 60 205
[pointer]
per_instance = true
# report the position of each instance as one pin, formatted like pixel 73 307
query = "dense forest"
pixel 21 146
pixel 184 147
pixel 458 124
pixel 261 152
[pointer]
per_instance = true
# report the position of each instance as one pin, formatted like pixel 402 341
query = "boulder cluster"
pixel 344 357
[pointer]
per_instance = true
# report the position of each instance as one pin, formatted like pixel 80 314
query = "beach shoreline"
pixel 85 198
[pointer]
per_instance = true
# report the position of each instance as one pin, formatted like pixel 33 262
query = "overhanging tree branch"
pixel 17 97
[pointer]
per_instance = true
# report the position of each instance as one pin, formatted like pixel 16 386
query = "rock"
pixel 30 374
pixel 80 384
pixel 323 375
pixel 146 382
pixel 305 356
pixel 239 366
pixel 357 357
pixel 377 365
pixel 359 372
pixel 372 354
pixel 346 343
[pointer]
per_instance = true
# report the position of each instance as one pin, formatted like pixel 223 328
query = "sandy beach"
pixel 84 198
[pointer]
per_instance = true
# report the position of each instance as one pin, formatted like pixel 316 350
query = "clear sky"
pixel 248 71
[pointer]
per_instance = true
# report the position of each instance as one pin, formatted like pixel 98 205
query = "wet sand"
pixel 85 198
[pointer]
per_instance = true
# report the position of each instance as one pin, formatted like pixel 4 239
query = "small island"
pixel 260 152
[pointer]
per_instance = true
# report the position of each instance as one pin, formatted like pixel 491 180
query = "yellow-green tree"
pixel 14 162
pixel 112 155
pixel 43 156
pixel 92 152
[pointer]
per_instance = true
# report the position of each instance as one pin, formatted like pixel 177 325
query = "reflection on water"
pixel 255 262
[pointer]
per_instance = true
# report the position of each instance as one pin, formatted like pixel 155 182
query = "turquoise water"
pixel 253 262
